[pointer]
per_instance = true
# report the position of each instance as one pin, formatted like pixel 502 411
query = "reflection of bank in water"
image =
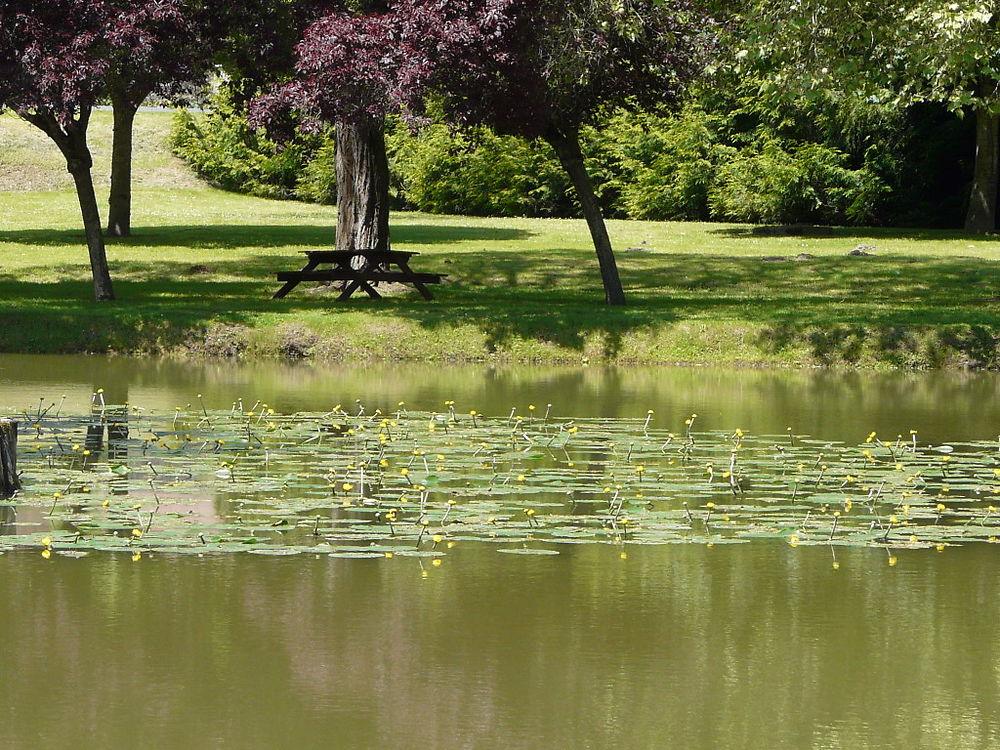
pixel 112 422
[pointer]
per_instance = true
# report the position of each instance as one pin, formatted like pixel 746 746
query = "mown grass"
pixel 199 272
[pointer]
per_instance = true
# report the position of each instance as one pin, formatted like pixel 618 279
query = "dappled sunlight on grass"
pixel 193 276
pixel 522 288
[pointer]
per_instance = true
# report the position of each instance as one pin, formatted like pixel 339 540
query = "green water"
pixel 832 405
pixel 676 646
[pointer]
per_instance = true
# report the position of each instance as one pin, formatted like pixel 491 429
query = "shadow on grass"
pixel 237 236
pixel 750 231
pixel 837 307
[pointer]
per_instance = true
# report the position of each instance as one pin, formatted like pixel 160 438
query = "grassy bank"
pixel 198 275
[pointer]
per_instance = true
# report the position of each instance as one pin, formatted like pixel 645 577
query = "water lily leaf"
pixel 358 555
pixel 416 553
pixel 526 551
pixel 285 488
pixel 276 551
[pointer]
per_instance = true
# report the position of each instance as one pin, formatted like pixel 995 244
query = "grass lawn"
pixel 199 272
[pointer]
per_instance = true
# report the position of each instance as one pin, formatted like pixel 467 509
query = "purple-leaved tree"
pixel 152 46
pixel 535 68
pixel 363 170
pixel 362 164
pixel 59 58
pixel 52 72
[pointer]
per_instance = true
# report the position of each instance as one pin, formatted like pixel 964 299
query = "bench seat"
pixel 341 256
pixel 370 276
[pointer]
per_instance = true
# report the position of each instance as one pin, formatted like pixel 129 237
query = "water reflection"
pixel 833 405
pixel 8 519
pixel 758 646
pixel 754 646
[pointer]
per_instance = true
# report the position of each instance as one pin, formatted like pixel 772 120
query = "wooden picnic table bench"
pixel 361 268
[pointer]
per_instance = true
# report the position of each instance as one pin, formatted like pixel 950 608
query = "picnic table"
pixel 362 269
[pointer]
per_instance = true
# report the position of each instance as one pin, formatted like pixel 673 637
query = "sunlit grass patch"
pixel 518 289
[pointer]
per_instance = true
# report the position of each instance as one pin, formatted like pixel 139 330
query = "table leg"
pixel 349 290
pixel 411 277
pixel 372 292
pixel 290 285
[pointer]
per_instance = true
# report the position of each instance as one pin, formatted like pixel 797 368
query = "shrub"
pixel 225 150
pixel 666 165
pixel 478 173
pixel 727 158
pixel 317 182
pixel 808 183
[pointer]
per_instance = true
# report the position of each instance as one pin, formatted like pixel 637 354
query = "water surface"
pixel 834 405
pixel 758 645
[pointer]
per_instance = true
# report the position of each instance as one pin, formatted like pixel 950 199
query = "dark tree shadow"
pixel 757 232
pixel 836 304
pixel 226 236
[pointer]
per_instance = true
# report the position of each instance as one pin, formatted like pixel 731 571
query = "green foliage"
pixel 225 150
pixel 645 166
pixel 317 182
pixel 922 50
pixel 478 173
pixel 730 155
pixel 810 183
pixel 667 165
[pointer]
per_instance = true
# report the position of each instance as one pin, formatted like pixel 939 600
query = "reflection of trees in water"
pixel 8 520
pixel 764 645
pixel 829 404
pixel 109 416
pixel 678 646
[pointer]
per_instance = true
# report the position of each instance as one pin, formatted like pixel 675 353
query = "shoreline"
pixel 379 337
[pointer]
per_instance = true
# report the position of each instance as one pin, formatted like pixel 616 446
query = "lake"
pixel 674 645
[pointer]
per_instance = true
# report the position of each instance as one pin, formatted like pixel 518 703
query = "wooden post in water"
pixel 9 482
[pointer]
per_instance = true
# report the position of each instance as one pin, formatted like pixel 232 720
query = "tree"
pixel 536 68
pixel 52 72
pixel 151 45
pixel 362 185
pixel 893 51
pixel 363 173
pixel 259 52
pixel 543 68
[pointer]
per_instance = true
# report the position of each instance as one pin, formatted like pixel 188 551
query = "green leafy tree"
pixel 888 51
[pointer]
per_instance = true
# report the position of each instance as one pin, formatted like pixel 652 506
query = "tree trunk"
pixel 120 203
pixel 567 148
pixel 71 138
pixel 982 216
pixel 346 167
pixel 362 186
pixel 9 480
pixel 80 170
